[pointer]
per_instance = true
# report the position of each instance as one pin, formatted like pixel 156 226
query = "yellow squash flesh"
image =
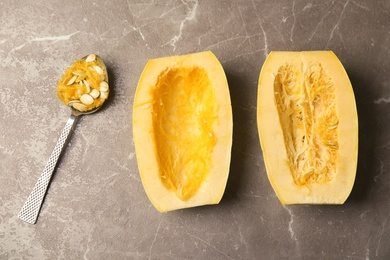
pixel 308 127
pixel 182 129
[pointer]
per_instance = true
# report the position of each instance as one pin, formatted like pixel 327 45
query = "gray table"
pixel 96 207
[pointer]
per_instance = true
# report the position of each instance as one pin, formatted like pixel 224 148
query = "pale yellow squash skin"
pixel 337 190
pixel 213 186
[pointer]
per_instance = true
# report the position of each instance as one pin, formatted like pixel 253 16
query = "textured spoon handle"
pixel 29 212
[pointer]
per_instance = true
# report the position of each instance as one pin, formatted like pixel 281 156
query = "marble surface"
pixel 96 207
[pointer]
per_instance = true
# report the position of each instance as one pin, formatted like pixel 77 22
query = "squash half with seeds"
pixel 182 129
pixel 308 127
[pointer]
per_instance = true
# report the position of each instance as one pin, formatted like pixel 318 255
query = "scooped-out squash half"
pixel 308 127
pixel 182 129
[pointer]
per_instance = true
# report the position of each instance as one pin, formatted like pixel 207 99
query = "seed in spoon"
pixel 94 93
pixel 98 70
pixel 80 107
pixel 87 88
pixel 86 99
pixel 103 95
pixel 86 83
pixel 91 57
pixel 72 80
pixel 103 86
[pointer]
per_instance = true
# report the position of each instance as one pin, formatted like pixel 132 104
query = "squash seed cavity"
pixel 306 103
pixel 183 118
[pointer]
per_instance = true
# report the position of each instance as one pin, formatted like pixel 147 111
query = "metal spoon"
pixel 30 211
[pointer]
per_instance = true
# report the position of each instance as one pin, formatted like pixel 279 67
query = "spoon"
pixel 30 211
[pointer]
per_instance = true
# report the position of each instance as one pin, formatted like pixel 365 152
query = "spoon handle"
pixel 29 212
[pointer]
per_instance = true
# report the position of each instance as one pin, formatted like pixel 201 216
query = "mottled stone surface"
pixel 96 207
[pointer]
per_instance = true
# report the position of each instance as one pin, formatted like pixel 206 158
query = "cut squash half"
pixel 308 127
pixel 182 129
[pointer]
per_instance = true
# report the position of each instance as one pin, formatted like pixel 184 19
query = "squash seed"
pixel 103 86
pixel 94 93
pixel 80 78
pixel 78 93
pixel 103 95
pixel 72 80
pixel 86 83
pixel 70 103
pixel 79 72
pixel 79 107
pixel 91 57
pixel 86 99
pixel 98 70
